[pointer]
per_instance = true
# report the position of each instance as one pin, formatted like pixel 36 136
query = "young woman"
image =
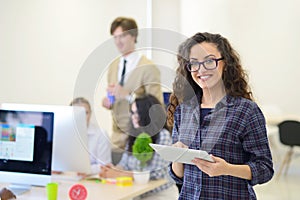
pixel 98 140
pixel 212 109
pixel 147 115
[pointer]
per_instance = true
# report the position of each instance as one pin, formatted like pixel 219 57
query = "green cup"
pixel 52 191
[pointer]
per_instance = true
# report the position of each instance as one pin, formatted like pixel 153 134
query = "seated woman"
pixel 98 139
pixel 147 115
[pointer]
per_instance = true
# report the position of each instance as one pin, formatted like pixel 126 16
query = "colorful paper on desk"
pixel 93 177
pixel 182 155
pixel 98 179
pixel 120 181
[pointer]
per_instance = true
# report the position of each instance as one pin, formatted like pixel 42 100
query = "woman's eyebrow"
pixel 210 55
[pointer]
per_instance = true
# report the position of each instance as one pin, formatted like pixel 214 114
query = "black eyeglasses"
pixel 209 64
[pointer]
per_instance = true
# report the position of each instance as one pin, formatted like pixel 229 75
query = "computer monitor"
pixel 70 142
pixel 26 139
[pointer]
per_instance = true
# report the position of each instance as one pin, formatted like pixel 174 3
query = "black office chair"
pixel 289 134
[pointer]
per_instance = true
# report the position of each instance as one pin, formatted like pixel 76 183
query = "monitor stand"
pixel 19 189
pixel 66 176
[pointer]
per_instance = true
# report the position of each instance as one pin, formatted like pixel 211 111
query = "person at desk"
pixel 6 194
pixel 98 140
pixel 130 75
pixel 147 115
pixel 212 109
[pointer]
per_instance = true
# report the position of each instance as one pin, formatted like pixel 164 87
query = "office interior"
pixel 46 45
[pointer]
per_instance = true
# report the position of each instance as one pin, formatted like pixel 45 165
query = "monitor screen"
pixel 70 150
pixel 26 139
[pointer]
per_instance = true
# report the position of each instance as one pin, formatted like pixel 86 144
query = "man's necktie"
pixel 123 73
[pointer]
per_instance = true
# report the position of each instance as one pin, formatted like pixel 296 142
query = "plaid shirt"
pixel 235 131
pixel 157 166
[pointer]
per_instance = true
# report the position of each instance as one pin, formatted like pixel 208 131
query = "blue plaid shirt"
pixel 235 131
pixel 157 166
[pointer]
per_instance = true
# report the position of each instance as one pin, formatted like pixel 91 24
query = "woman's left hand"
pixel 218 168
pixel 107 171
pixel 111 171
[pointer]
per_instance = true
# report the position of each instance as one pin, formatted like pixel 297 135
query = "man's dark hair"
pixel 127 24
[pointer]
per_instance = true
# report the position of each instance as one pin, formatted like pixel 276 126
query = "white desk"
pixel 95 190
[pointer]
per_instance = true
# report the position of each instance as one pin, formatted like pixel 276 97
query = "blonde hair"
pixel 80 100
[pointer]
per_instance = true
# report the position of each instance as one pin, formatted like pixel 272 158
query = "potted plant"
pixel 143 152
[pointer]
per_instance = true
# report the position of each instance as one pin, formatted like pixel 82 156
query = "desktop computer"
pixel 70 150
pixel 26 145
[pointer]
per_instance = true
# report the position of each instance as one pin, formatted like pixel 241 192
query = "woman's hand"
pixel 104 170
pixel 178 167
pixel 218 168
pixel 179 144
pixel 111 171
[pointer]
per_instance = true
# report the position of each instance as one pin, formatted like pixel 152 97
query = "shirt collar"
pixel 227 101
pixel 130 57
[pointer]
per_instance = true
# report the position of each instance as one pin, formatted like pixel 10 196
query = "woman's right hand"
pixel 178 167
pixel 179 144
pixel 111 171
pixel 104 169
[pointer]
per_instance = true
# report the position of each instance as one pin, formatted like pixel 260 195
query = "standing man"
pixel 130 75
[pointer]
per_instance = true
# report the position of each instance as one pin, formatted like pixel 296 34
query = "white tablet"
pixel 182 155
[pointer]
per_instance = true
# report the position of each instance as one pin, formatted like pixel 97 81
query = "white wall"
pixel 265 33
pixel 165 18
pixel 44 44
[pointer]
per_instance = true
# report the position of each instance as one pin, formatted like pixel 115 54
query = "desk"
pixel 95 190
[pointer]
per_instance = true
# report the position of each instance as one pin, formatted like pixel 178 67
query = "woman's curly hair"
pixel 234 77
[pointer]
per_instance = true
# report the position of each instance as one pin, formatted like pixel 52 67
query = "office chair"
pixel 289 135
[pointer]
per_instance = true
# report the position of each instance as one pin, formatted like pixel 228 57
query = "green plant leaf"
pixel 141 149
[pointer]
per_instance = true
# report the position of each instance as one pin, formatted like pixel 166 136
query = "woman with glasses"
pixel 212 109
pixel 147 115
